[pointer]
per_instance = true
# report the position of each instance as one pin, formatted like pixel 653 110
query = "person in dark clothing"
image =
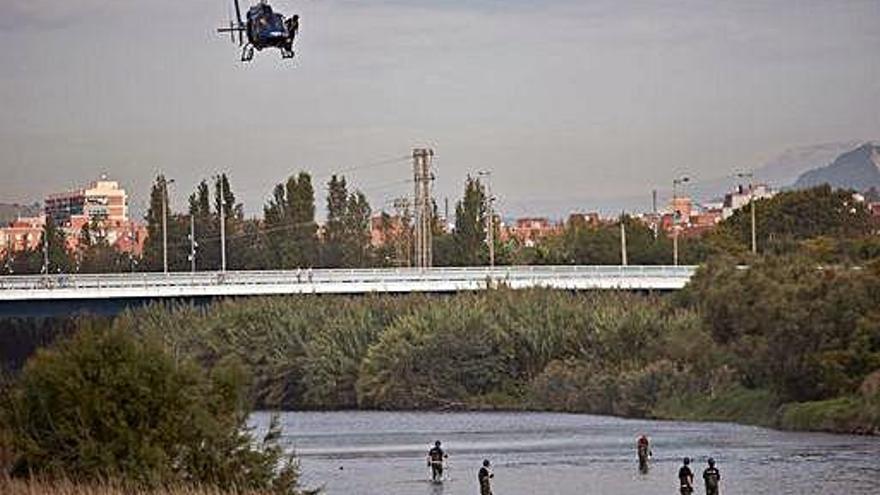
pixel 435 461
pixel 483 477
pixel 712 478
pixel 686 478
pixel 643 447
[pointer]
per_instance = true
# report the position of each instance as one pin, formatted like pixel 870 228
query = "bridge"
pixel 79 287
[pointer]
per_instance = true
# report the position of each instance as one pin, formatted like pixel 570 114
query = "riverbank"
pixel 43 487
pixel 845 415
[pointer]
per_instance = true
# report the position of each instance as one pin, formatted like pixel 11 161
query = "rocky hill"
pixel 858 169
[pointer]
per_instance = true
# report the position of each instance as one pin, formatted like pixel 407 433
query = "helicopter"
pixel 264 29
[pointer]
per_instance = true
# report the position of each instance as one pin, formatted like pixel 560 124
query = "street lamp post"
pixel 675 216
pixel 165 183
pixel 490 217
pixel 750 176
pixel 222 202
pixel 192 243
pixel 623 260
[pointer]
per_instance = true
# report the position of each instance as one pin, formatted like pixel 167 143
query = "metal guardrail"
pixel 23 287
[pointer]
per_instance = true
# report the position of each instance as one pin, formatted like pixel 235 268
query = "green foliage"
pixel 470 226
pixel 735 403
pixel 290 225
pixel 807 332
pixel 799 215
pixel 848 413
pixel 347 230
pixel 104 405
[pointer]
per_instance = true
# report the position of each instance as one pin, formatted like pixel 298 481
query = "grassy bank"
pixel 65 487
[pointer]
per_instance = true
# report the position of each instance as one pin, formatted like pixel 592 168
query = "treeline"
pixel 825 224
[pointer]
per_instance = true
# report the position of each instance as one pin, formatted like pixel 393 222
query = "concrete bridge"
pixel 69 292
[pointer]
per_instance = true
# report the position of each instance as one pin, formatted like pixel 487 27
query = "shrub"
pixel 105 405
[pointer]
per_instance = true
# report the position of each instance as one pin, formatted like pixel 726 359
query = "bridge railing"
pixel 500 274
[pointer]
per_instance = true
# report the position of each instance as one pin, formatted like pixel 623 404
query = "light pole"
pixel 751 176
pixel 46 247
pixel 192 243
pixel 165 183
pixel 490 216
pixel 675 216
pixel 623 260
pixel 222 192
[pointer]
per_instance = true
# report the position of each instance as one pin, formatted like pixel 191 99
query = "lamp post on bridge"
pixel 165 183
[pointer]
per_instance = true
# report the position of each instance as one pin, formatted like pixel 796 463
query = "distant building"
pixel 384 228
pixel 742 195
pixel 102 200
pixel 591 219
pixel 101 207
pixel 531 230
pixel 22 234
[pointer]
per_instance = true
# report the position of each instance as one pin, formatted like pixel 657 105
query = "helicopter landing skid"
pixel 286 53
pixel 247 53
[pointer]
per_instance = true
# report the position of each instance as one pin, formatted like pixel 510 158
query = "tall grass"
pixel 10 486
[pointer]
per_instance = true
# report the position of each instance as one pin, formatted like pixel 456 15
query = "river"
pixel 383 453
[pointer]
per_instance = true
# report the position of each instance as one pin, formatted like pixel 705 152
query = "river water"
pixel 383 453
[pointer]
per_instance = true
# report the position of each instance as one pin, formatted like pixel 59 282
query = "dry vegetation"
pixel 42 487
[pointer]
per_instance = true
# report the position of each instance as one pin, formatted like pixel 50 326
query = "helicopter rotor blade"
pixel 238 13
pixel 240 23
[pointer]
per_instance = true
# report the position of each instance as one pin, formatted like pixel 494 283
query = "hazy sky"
pixel 573 100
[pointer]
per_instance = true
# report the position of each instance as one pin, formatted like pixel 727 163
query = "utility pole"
pixel 165 183
pixel 422 177
pixel 490 215
pixel 676 214
pixel 192 243
pixel 751 176
pixel 623 260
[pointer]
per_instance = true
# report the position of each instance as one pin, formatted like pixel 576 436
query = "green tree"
pixel 103 405
pixel 95 254
pixel 797 215
pixel 470 225
pixel 334 229
pixel 177 227
pixel 206 226
pixel 347 231
pixel 291 231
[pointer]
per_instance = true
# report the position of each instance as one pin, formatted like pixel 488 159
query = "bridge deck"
pixel 337 281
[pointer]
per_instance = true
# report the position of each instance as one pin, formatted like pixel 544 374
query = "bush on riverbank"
pixel 475 350
pixel 103 405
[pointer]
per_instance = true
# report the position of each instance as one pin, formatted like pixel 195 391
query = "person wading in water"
pixel 686 478
pixel 435 461
pixel 643 447
pixel 483 477
pixel 712 477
